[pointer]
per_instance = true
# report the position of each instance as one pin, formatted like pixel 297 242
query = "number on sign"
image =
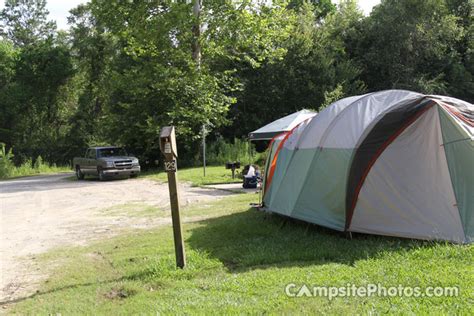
pixel 170 166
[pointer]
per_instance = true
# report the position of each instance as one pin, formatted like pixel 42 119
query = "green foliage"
pixel 38 127
pixel 25 22
pixel 321 8
pixel 6 162
pixel 417 45
pixel 332 96
pixel 8 55
pixel 316 63
pixel 36 70
pixel 38 163
pixel 117 106
pixel 219 152
pixel 27 168
pixel 127 68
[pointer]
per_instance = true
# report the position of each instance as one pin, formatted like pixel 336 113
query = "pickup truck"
pixel 106 162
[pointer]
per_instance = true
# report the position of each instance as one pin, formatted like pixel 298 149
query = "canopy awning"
pixel 281 125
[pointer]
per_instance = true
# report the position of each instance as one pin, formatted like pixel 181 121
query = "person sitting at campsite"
pixel 251 176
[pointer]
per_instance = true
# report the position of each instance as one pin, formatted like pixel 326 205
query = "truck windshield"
pixel 109 152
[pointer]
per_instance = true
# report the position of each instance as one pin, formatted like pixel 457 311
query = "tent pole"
pixel 249 151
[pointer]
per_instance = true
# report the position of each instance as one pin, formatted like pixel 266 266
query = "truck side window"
pixel 91 154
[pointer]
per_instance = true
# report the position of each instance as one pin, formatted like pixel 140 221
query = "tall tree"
pixel 314 67
pixel 8 113
pixel 412 44
pixel 26 21
pixel 321 8
pixel 92 47
pixel 153 78
pixel 196 45
pixel 40 74
pixel 33 99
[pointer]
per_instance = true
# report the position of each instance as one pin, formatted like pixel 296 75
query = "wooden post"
pixel 175 216
pixel 204 148
pixel 169 149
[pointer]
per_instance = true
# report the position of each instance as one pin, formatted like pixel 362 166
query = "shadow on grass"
pixel 62 288
pixel 246 240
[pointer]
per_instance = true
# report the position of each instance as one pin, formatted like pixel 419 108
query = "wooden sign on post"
pixel 169 149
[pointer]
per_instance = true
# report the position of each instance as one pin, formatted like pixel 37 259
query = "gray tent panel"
pixel 281 125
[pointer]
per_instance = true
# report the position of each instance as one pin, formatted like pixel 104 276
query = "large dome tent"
pixel 394 162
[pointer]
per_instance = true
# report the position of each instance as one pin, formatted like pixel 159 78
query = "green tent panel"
pixel 459 148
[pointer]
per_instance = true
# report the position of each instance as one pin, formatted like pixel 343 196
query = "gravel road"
pixel 42 212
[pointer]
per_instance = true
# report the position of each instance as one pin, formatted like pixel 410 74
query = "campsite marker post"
pixel 169 150
pixel 204 133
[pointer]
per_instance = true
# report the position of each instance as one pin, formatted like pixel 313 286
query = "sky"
pixel 59 9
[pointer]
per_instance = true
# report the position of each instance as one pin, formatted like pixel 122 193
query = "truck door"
pixel 84 162
pixel 92 161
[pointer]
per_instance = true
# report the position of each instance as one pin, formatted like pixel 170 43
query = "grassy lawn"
pixel 214 175
pixel 239 261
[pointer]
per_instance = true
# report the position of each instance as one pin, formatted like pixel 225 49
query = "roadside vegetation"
pixel 239 261
pixel 27 168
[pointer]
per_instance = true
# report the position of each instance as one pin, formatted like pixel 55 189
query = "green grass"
pixel 239 261
pixel 203 210
pixel 214 175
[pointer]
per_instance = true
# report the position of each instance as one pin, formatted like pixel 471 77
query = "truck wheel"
pixel 79 174
pixel 101 174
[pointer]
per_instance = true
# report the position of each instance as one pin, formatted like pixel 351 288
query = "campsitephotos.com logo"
pixel 352 290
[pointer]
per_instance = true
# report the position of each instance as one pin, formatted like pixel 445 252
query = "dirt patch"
pixel 119 293
pixel 39 213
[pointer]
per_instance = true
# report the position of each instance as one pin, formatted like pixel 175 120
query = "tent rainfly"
pixel 395 163
pixel 279 126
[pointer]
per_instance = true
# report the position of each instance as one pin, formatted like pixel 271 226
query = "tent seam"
pixel 440 108
pixel 323 138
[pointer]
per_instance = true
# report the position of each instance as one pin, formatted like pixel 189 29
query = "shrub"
pixel 27 168
pixel 38 163
pixel 6 163
pixel 220 152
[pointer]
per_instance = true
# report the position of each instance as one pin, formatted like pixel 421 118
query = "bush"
pixel 220 152
pixel 27 168
pixel 6 163
pixel 261 159
pixel 38 163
